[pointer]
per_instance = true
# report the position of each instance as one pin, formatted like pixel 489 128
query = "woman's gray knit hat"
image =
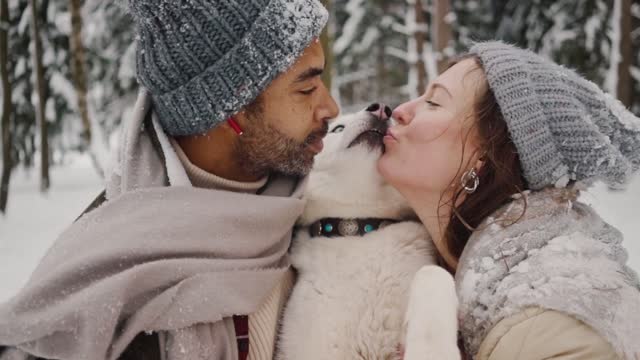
pixel 563 126
pixel 204 60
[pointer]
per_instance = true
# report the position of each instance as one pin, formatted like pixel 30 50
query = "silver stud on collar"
pixel 348 227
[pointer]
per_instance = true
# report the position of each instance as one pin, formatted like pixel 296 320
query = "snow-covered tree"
pixel 381 49
pixel 591 36
pixel 56 88
pixel 110 60
pixel 572 32
pixel 362 33
pixel 112 85
pixel 22 122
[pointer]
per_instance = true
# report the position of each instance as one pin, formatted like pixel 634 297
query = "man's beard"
pixel 263 149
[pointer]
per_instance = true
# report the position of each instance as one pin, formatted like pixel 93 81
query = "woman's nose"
pixel 401 115
pixel 404 113
pixel 380 110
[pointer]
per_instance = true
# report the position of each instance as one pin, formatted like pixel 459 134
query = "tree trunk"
pixel 79 72
pixel 635 62
pixel 326 38
pixel 40 88
pixel 6 106
pixel 441 32
pixel 624 67
pixel 78 68
pixel 420 37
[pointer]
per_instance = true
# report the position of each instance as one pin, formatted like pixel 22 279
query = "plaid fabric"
pixel 241 323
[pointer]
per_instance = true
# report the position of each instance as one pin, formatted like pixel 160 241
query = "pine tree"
pixel 61 105
pixel 476 20
pixel 378 43
pixel 112 85
pixel 575 33
pixel 59 100
pixel 357 35
pixel 22 119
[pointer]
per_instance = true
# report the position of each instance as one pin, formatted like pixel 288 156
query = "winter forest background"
pixel 68 81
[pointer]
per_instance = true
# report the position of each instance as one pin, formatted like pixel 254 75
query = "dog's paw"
pixel 431 319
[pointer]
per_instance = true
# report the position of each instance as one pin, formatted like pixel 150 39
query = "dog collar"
pixel 333 227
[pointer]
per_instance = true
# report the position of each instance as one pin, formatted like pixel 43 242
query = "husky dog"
pixel 367 285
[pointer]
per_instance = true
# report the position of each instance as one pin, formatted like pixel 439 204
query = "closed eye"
pixel 432 104
pixel 308 92
pixel 337 129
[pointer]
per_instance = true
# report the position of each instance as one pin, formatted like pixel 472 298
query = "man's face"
pixel 283 129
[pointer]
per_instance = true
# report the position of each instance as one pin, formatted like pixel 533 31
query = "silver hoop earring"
pixel 470 177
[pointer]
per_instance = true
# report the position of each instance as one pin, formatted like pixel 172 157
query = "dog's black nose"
pixel 373 107
pixel 381 110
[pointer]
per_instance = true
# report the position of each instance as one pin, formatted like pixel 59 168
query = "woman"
pixel 492 159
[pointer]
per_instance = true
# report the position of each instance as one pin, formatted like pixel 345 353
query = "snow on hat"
pixel 563 126
pixel 202 60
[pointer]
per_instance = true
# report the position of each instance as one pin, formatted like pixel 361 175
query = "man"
pixel 199 207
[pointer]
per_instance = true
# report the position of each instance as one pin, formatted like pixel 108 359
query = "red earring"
pixel 234 125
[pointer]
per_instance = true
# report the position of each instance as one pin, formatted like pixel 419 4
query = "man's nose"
pixel 380 110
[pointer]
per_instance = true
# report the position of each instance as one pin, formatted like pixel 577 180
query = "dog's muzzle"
pixel 373 134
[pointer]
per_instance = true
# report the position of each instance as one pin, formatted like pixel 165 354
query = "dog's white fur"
pixel 354 297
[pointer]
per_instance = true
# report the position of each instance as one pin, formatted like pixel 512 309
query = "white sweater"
pixel 263 325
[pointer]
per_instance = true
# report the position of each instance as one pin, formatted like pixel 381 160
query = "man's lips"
pixel 316 146
pixel 314 141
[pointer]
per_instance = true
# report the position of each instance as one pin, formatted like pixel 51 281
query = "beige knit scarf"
pixel 176 260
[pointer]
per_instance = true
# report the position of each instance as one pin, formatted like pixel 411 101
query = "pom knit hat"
pixel 563 126
pixel 204 60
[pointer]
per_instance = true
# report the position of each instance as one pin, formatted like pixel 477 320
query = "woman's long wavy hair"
pixel 500 177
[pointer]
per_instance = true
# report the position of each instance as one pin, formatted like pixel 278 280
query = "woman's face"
pixel 433 141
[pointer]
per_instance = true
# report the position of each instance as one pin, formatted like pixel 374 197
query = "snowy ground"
pixel 34 220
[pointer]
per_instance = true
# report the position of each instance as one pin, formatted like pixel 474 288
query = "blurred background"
pixel 68 81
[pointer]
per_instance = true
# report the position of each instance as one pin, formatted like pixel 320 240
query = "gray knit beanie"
pixel 563 126
pixel 204 60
